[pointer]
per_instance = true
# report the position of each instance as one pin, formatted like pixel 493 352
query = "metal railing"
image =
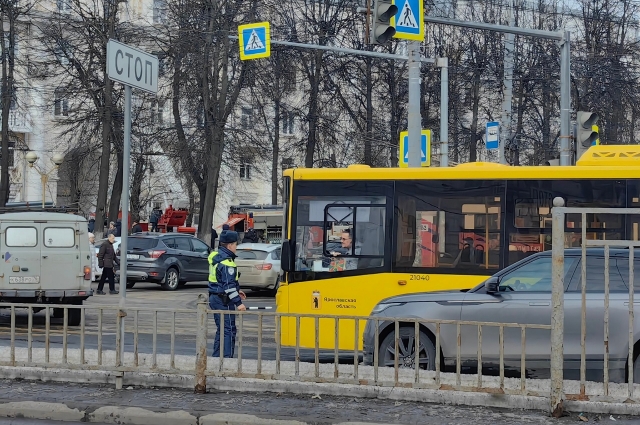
pixel 558 390
pixel 179 341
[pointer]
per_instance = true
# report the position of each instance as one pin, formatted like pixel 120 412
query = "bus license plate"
pixel 24 279
pixel 133 257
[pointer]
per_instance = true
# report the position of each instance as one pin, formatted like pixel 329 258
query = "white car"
pixel 98 244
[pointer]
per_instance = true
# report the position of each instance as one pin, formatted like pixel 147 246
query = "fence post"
pixel 557 304
pixel 201 346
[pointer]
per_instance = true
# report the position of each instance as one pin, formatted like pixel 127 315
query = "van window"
pixel 21 236
pixel 56 237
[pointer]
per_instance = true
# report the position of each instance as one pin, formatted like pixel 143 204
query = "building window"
pixel 157 112
pixel 159 11
pixel 61 104
pixel 246 120
pixel 63 5
pixel 288 122
pixel 245 168
pixel 287 163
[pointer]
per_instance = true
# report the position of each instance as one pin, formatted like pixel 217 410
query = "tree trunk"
pixel 368 158
pixel 136 189
pixel 103 183
pixel 116 192
pixel 312 140
pixel 275 169
pixel 473 142
pixel 6 104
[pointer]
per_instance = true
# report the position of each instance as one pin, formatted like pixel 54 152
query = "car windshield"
pixel 141 244
pixel 247 254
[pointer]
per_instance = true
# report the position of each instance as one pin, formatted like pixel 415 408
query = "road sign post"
pixel 425 149
pixel 133 68
pixel 492 136
pixel 409 25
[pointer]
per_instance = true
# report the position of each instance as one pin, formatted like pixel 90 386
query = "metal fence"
pixel 559 241
pixel 180 341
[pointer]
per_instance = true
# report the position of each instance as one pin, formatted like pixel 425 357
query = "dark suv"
pixel 168 259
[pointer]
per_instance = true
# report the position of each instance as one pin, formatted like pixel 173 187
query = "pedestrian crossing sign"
pixel 409 21
pixel 425 148
pixel 254 40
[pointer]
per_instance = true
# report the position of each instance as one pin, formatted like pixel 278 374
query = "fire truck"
pixel 266 220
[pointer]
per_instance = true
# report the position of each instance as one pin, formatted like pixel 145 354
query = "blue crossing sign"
pixel 254 40
pixel 425 148
pixel 409 21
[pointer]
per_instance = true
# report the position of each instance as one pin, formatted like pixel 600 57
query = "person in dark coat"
pixel 214 236
pixel 136 227
pixel 251 236
pixel 106 261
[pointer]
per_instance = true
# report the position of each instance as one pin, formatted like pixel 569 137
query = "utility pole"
pixel 414 126
pixel 7 38
pixel 508 86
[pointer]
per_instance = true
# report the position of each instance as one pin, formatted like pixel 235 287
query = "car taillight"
pixel 87 273
pixel 156 254
pixel 265 266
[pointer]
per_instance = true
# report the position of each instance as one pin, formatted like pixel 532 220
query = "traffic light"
pixel 586 132
pixel 381 30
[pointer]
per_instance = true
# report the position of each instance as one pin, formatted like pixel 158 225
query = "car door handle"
pixel 44 256
pixel 540 303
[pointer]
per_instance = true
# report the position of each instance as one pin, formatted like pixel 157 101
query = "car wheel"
pixel 406 349
pixel 274 291
pixel 130 284
pixel 636 370
pixel 171 280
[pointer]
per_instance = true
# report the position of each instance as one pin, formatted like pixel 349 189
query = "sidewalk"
pixel 137 406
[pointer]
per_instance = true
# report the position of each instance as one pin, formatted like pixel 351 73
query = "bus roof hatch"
pixel 610 155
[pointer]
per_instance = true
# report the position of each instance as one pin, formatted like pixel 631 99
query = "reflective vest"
pixel 212 267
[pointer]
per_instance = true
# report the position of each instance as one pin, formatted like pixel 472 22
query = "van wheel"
pixel 171 280
pixel 74 316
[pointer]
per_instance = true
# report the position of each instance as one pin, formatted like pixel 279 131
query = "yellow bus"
pixel 357 235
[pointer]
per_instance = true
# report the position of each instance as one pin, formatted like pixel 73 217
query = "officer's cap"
pixel 228 236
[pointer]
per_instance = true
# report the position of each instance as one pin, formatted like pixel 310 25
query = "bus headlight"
pixel 383 306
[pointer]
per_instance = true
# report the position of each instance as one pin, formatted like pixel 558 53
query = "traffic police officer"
pixel 224 290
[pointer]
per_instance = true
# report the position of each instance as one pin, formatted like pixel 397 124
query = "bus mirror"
pixel 286 258
pixel 435 238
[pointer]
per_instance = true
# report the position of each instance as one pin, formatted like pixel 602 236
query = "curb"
pixel 447 397
pixel 137 416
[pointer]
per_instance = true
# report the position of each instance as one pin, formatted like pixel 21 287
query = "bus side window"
pixel 454 224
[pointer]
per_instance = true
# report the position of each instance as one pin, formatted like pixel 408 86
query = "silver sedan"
pixel 520 294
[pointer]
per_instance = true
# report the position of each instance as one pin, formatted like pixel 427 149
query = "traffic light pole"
pixel 564 38
pixel 414 126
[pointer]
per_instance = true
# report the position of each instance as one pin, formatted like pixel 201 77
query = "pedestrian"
pixel 91 225
pixel 155 216
pixel 112 229
pixel 214 236
pixel 106 261
pixel 225 226
pixel 251 236
pixel 136 227
pixel 118 228
pixel 94 257
pixel 224 291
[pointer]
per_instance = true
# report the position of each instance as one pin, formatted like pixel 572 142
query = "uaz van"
pixel 45 260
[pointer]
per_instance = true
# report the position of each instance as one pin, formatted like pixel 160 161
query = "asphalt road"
pixel 100 328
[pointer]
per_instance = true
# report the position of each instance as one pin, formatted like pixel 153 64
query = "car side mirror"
pixel 492 285
pixel 286 257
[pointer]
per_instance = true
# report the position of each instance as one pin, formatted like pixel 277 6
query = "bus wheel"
pixel 406 349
